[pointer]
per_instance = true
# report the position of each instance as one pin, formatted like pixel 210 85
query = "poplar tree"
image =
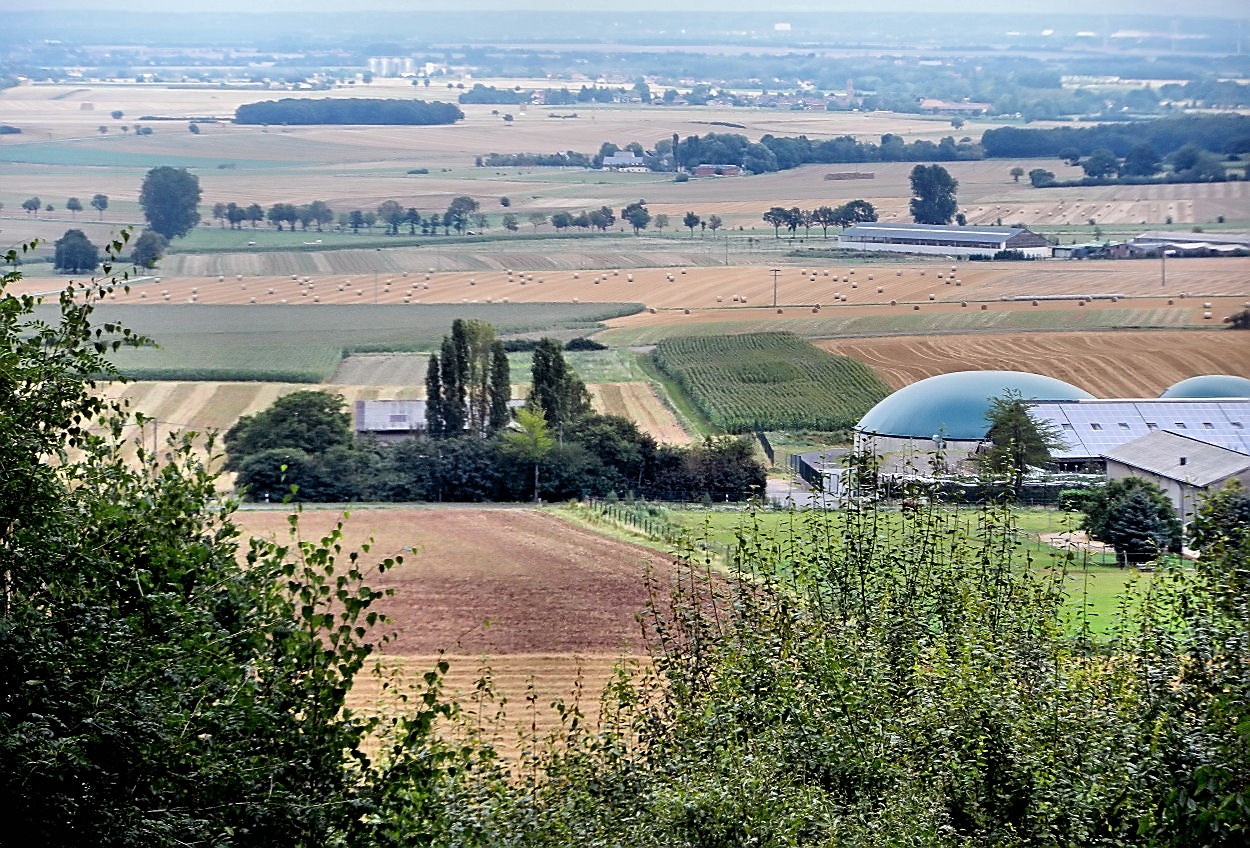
pixel 434 425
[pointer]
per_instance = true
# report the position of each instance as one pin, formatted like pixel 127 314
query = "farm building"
pixel 396 420
pixel 1201 244
pixel 1183 467
pixel 390 420
pixel 943 240
pixel 707 170
pixel 1090 429
pixel 624 161
pixel 947 413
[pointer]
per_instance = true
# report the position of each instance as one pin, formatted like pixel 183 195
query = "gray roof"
pixel 976 235
pixel 1180 458
pixel 1165 237
pixel 1091 428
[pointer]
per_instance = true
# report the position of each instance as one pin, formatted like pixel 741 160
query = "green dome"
pixel 954 405
pixel 1210 386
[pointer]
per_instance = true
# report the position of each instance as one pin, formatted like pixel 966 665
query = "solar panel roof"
pixel 1090 428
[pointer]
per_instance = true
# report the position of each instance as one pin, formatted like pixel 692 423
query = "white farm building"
pixel 943 240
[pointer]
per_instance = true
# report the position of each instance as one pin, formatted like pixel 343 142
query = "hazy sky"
pixel 1217 8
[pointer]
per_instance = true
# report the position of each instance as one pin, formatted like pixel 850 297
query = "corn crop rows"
pixel 770 381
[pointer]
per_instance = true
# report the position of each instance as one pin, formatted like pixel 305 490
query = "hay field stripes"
pixel 1120 364
pixel 640 403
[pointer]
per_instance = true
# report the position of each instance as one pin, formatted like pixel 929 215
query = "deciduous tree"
pixel 100 202
pixel 170 198
pixel 75 253
pixel 933 195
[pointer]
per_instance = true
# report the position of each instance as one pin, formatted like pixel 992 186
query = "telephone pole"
pixel 774 272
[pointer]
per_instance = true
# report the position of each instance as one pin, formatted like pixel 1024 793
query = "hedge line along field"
pixel 769 381
pixel 1118 364
pixel 285 344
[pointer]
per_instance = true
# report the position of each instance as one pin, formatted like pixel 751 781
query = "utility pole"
pixel 775 272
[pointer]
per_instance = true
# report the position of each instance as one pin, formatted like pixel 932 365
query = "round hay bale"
pixel 651 309
pixel 893 303
pixel 1206 315
pixel 932 297
pixel 984 307
pixel 916 308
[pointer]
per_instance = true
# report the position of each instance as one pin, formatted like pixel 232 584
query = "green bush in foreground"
pixel 849 686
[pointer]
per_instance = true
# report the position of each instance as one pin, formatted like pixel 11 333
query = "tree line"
pixel 852 212
pixel 476 447
pixel 348 110
pixel 1224 133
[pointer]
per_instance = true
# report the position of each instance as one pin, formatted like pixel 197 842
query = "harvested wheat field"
pixel 1119 364
pixel 722 287
pixel 519 590
pixel 639 403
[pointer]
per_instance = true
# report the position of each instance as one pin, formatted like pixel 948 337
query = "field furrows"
pixel 521 591
pixel 1120 364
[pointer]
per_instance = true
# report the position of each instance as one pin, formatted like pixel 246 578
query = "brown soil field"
pixel 518 589
pixel 1123 364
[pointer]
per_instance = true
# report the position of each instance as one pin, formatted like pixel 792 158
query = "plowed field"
pixel 639 403
pixel 1120 364
pixel 541 597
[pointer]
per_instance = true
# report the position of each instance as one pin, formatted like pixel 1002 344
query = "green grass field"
pixel 305 344
pixel 1092 581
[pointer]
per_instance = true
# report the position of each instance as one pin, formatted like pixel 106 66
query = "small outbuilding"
pixel 1183 467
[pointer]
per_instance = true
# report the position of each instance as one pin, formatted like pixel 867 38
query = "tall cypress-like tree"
pixel 434 424
pixel 555 388
pixel 453 389
pixel 500 387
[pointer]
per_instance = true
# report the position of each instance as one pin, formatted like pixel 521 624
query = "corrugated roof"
pixel 1181 458
pixel 932 231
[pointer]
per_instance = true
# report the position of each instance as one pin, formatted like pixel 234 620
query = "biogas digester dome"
pixel 1209 386
pixel 954 406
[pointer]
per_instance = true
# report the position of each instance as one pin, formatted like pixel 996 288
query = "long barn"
pixel 943 240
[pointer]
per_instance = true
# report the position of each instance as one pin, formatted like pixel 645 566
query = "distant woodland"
pixel 354 110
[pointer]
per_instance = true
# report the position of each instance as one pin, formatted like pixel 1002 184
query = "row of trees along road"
pixel 863 678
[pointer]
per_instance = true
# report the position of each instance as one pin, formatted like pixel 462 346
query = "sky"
pixel 1213 8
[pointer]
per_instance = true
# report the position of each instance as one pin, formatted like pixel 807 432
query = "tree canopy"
pixel 1017 440
pixel 933 195
pixel 170 199
pixel 75 253
pixel 1135 517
